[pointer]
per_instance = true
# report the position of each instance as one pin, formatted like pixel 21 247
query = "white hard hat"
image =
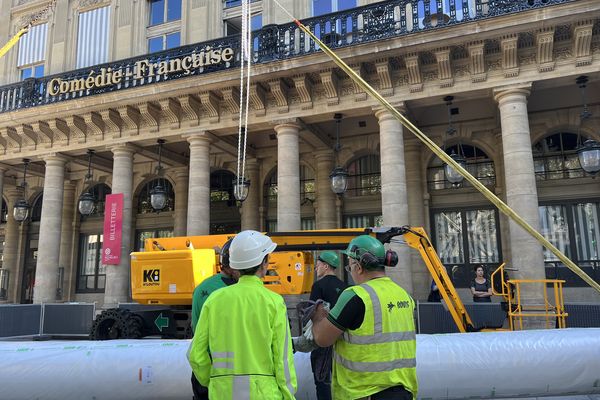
pixel 248 249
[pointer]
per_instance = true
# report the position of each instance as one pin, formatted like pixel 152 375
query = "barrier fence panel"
pixel 64 319
pixel 20 320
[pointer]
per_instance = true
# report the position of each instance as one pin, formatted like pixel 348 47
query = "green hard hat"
pixel 330 258
pixel 364 244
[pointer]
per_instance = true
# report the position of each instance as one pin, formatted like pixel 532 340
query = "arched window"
pixel 36 208
pixel 144 206
pixel 478 164
pixel 99 191
pixel 364 176
pixel 555 157
pixel 221 187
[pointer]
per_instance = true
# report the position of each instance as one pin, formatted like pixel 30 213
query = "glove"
pixel 307 331
pixel 303 345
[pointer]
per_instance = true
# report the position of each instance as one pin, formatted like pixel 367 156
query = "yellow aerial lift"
pixel 163 277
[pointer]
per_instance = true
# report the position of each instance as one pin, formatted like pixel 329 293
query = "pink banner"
pixel 113 229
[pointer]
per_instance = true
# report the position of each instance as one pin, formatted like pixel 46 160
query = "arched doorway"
pixel 91 275
pixel 152 224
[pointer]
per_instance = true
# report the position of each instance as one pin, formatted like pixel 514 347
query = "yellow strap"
pixel 12 42
pixel 503 207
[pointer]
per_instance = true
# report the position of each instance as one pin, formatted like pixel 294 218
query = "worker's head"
pixel 224 261
pixel 368 257
pixel 249 253
pixel 326 264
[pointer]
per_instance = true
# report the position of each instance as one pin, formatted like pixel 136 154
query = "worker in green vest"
pixel 371 328
pixel 245 329
pixel 227 276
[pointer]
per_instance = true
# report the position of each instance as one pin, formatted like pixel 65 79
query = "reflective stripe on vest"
pixel 286 366
pixel 379 366
pixel 241 387
pixel 378 336
pixel 224 364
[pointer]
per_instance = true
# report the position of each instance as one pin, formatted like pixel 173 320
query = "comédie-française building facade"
pixel 491 80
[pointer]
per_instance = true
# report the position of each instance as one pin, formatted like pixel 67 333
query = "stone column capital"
pixel 287 126
pixel 324 155
pixel 54 159
pixel 122 150
pixel 412 145
pixel 181 173
pixel 383 113
pixel 517 93
pixel 252 164
pixel 198 139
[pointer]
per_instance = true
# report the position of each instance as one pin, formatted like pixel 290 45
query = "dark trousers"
pixel 393 393
pixel 200 392
pixel 322 378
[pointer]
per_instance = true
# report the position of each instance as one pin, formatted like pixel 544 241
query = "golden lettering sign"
pixel 141 69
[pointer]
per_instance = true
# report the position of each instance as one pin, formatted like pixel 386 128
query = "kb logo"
pixel 151 277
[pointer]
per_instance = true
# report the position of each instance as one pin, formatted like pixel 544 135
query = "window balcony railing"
pixel 378 21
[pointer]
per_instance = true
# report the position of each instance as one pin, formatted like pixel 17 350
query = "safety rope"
pixel 36 17
pixel 503 207
pixel 245 71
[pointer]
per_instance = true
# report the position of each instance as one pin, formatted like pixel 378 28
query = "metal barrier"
pixel 30 320
pixel 433 317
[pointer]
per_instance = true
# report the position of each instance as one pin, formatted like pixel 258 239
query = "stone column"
pixel 117 276
pixel 288 177
pixel 521 191
pixel 182 178
pixel 394 199
pixel 416 215
pixel 65 259
pixel 198 217
pixel 250 207
pixel 10 256
pixel 326 209
pixel 50 230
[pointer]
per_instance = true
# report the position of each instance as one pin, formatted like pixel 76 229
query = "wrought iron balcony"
pixel 383 20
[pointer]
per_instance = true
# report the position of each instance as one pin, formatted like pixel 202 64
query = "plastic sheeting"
pixel 499 364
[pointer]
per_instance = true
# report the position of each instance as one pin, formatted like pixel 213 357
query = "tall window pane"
pixel 173 40
pixel 157 12
pixel 448 237
pixel 481 229
pixel 554 227
pixel 173 10
pixel 155 44
pixel 321 7
pixel 587 230
pixel 92 37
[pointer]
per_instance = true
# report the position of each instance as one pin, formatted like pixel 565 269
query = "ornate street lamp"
pixel 339 175
pixel 241 187
pixel 158 195
pixel 588 152
pixel 452 175
pixel 87 201
pixel 21 208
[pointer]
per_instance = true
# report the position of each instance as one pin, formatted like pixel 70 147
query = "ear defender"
pixel 391 258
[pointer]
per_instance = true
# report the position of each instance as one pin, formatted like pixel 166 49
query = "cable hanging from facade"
pixel 241 184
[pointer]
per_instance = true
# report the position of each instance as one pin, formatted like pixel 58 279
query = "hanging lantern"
pixel 241 187
pixel 339 180
pixel 87 203
pixel 589 156
pixel 21 210
pixel 158 197
pixel 452 175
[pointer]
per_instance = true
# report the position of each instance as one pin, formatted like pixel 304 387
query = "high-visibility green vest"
pixel 250 357
pixel 381 353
